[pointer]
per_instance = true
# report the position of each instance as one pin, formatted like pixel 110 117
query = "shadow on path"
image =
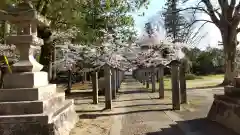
pixel 201 126
pixel 82 94
pixel 89 111
pixel 172 130
pixel 94 116
pixel 136 99
pixel 134 91
pixel 142 105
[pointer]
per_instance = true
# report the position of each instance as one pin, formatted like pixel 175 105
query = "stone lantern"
pixel 29 105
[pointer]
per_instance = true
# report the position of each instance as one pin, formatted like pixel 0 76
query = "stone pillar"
pixel 108 88
pixel 161 81
pixel 153 75
pixel 183 90
pixel 175 85
pixel 113 80
pixel 94 77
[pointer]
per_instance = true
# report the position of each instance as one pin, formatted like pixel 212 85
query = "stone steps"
pixel 57 121
pixel 31 107
pixel 27 94
pixel 43 118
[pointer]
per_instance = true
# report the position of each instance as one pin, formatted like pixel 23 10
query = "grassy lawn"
pixel 200 82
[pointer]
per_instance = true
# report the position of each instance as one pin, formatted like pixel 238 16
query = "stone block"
pixel 25 80
pixel 31 107
pixel 226 111
pixel 25 39
pixel 58 121
pixel 27 94
pixel 63 122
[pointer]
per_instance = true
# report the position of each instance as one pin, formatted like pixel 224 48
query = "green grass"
pixel 200 82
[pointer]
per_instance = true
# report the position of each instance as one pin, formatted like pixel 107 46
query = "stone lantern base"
pixel 226 108
pixel 29 105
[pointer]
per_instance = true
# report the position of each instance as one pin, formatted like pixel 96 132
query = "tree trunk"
pixel 46 49
pixel 45 55
pixel 229 44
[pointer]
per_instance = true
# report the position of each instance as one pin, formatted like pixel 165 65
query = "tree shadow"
pixel 205 87
pixel 141 105
pixel 136 99
pixel 94 116
pixel 199 126
pixel 84 95
pixel 89 111
pixel 172 130
pixel 134 92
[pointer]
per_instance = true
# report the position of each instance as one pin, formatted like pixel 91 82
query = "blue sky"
pixel 155 6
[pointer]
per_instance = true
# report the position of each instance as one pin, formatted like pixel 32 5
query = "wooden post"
pixel 153 79
pixel 117 80
pixel 157 75
pixel 69 86
pixel 108 89
pixel 119 77
pixel 123 76
pixel 94 77
pixel 147 80
pixel 85 76
pixel 161 81
pixel 113 80
pixel 54 68
pixel 175 85
pixel 143 77
pixel 183 84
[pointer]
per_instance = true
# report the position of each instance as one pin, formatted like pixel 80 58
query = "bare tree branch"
pixel 212 14
pixel 195 21
pixel 231 8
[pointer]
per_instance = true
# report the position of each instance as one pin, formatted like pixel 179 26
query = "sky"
pixel 211 39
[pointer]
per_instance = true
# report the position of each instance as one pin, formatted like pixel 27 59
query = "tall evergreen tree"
pixel 173 21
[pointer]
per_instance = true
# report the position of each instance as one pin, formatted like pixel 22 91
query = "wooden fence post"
pixel 94 77
pixel 161 81
pixel 108 88
pixel 175 85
